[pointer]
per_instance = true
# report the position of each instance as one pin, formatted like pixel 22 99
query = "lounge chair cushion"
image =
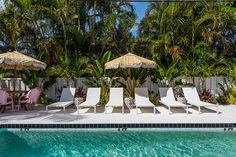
pixel 115 98
pixel 92 98
pixel 142 98
pixel 66 99
pixel 200 103
pixel 61 104
pixel 172 103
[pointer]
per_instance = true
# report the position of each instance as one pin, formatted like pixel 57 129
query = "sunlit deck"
pixel 86 116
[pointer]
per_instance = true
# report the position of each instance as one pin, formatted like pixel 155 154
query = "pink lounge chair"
pixel 5 100
pixel 30 98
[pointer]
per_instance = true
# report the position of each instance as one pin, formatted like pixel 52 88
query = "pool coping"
pixel 120 130
pixel 123 127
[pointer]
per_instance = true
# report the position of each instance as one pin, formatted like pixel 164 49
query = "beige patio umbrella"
pixel 18 61
pixel 130 61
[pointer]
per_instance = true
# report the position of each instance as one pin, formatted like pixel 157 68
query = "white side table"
pixel 129 102
pixel 78 100
pixel 181 100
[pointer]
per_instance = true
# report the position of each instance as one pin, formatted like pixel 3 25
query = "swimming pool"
pixel 114 143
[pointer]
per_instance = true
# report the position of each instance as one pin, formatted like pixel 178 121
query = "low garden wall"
pixel 54 91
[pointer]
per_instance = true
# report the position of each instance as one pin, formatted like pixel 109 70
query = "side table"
pixel 129 102
pixel 78 100
pixel 181 100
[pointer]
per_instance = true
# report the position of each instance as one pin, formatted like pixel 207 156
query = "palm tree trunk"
pixel 193 36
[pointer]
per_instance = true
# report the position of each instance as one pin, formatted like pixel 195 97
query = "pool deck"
pixel 86 116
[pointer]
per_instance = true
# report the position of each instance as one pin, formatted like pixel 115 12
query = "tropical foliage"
pixel 76 38
pixel 228 95
pixel 100 76
pixel 198 39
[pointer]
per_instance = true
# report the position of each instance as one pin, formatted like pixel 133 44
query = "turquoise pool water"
pixel 108 143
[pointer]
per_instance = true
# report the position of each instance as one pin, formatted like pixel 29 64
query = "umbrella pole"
pixel 130 83
pixel 129 72
pixel 14 82
pixel 14 88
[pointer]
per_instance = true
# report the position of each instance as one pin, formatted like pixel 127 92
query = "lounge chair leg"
pixel 3 109
pixel 187 110
pixel 12 107
pixel 77 109
pixel 122 109
pixel 217 109
pixel 94 109
pixel 46 109
pixel 199 109
pixel 64 109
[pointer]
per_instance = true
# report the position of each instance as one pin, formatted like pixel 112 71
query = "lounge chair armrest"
pixel 23 96
pixel 9 97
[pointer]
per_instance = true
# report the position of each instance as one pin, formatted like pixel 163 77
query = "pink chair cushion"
pixel 32 96
pixel 4 97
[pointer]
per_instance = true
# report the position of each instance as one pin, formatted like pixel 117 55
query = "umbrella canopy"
pixel 130 61
pixel 19 61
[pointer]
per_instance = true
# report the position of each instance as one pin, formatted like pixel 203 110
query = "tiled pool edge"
pixel 225 126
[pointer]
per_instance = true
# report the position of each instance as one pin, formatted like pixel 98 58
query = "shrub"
pixel 207 96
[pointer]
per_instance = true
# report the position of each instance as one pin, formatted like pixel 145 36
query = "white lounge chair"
pixel 92 99
pixel 192 97
pixel 66 99
pixel 168 99
pixel 115 99
pixel 142 99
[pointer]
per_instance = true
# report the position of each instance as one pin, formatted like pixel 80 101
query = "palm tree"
pixel 70 69
pixel 12 25
pixel 101 77
pixel 202 62
pixel 174 27
pixel 163 23
pixel 164 75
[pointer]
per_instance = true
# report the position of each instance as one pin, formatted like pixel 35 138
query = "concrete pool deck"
pixel 86 116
